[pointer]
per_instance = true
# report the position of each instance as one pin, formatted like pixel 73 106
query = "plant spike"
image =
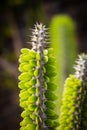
pixel 74 103
pixel 36 84
pixel 81 71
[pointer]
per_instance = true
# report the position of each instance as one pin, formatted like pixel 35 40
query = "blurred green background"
pixel 17 17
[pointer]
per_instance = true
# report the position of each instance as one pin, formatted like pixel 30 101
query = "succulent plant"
pixel 37 96
pixel 63 41
pixel 74 102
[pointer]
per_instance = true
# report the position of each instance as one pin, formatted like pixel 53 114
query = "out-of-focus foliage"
pixel 63 41
pixel 16 17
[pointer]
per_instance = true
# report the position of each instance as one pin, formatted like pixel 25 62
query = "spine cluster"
pixel 74 103
pixel 81 68
pixel 36 84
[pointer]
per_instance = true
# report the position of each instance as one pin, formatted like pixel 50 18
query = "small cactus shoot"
pixel 36 84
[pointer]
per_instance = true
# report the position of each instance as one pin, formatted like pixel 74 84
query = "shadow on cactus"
pixel 37 96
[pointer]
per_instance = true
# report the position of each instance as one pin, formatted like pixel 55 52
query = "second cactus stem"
pixel 74 103
pixel 36 84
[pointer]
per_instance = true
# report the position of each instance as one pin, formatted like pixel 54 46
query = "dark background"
pixel 16 17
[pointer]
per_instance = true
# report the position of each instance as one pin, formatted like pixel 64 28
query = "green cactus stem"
pixel 74 103
pixel 36 83
pixel 63 41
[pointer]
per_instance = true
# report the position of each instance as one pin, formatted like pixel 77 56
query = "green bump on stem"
pixel 74 102
pixel 37 96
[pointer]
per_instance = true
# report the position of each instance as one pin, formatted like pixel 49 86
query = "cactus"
pixel 37 96
pixel 74 102
pixel 63 41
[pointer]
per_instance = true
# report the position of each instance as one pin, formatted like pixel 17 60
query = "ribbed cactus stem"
pixel 81 73
pixel 38 44
pixel 74 103
pixel 36 84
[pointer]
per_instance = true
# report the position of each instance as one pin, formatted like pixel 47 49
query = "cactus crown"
pixel 81 71
pixel 39 37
